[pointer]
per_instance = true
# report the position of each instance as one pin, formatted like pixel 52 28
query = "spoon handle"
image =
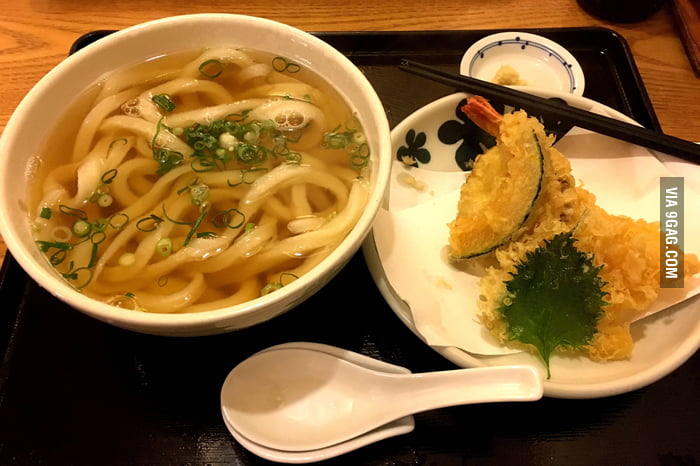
pixel 432 390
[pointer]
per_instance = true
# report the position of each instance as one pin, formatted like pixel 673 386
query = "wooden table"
pixel 141 371
pixel 36 35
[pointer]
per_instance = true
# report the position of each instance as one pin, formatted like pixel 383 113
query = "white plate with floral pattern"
pixel 405 252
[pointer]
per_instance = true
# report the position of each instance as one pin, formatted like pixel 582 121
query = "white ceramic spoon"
pixel 300 400
pixel 398 427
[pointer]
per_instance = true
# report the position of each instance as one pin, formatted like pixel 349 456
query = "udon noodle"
pixel 199 180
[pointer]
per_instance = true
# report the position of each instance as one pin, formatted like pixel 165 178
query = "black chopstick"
pixel 565 113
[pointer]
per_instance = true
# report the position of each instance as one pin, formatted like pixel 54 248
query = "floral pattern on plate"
pixel 429 142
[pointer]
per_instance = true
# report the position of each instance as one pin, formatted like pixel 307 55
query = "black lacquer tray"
pixel 76 391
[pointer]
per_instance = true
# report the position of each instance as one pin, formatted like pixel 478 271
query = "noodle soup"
pixel 198 180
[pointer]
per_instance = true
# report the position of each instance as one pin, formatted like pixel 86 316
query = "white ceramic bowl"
pixel 540 62
pixel 45 103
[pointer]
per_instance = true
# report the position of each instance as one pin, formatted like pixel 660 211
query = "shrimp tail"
pixel 480 111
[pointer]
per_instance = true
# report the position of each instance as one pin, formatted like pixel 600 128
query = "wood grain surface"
pixel 119 397
pixel 35 35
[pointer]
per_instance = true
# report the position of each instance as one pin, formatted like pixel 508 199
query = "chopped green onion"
pixel 334 141
pixel 224 218
pixel 293 158
pixel 270 287
pixel 359 160
pixel 211 68
pixel 122 140
pixel 142 224
pixel 72 212
pixel 352 124
pixel 167 160
pixel 81 228
pixel 232 137
pixel 99 224
pixel 98 237
pixel 281 64
pixel 164 102
pixel 78 275
pixel 45 213
pixel 102 190
pixel 58 257
pixel 176 222
pixel 195 225
pixel 104 200
pixel 164 246
pixel 93 255
pixel 250 154
pixel 202 165
pixel 109 175
pixel 60 245
pixel 244 173
pixel 352 141
pixel 199 193
pixel 182 190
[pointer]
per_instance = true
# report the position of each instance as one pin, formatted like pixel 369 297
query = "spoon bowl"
pixel 400 426
pixel 298 399
pixel 392 429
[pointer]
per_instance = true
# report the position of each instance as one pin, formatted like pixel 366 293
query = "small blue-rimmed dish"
pixel 524 59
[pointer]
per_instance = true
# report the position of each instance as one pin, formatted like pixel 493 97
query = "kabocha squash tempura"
pixel 522 204
pixel 502 187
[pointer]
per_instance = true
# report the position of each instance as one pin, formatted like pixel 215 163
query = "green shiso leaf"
pixel 554 299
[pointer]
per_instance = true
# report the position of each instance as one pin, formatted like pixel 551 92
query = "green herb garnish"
pixel 149 224
pixel 554 299
pixel 164 102
pixel 164 246
pixel 100 195
pixel 350 139
pixel 167 159
pixel 82 230
pixel 225 218
pixel 233 139
pixel 273 286
pixel 282 65
pixel 211 68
